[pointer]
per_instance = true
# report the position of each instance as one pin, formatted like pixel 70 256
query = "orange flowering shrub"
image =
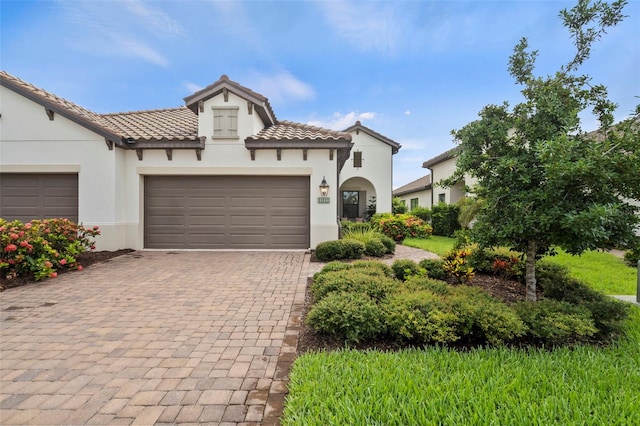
pixel 401 226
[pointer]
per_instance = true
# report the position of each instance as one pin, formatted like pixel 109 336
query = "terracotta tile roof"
pixel 161 124
pixel 417 185
pixel 287 130
pixel 57 104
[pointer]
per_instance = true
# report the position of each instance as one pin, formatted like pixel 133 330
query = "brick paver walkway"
pixel 154 337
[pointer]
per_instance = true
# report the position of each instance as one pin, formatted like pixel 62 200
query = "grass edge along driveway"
pixel 582 385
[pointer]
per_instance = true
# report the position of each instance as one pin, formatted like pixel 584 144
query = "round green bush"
pixel 388 243
pixel 483 318
pixel 375 248
pixel 420 317
pixel 554 322
pixel 417 283
pixel 353 249
pixel 372 265
pixel 370 282
pixel 351 317
pixel 339 249
pixel 405 268
pixel 435 268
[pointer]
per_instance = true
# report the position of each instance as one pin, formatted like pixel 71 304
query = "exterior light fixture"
pixel 324 187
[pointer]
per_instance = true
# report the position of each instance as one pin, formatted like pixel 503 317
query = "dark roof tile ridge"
pixel 309 127
pixel 146 111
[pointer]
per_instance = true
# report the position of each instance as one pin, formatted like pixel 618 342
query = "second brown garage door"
pixel 226 212
pixel 27 196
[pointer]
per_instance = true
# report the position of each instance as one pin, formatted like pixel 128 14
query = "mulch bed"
pixel 85 259
pixel 508 290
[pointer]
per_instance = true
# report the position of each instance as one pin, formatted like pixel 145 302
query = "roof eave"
pixel 263 108
pixel 395 146
pixel 84 122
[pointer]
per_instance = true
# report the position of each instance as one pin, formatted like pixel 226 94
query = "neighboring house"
pixel 416 193
pixel 442 167
pixel 221 172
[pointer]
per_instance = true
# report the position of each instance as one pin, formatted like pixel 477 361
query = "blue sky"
pixel 411 70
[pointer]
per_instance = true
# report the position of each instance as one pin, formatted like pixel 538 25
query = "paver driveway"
pixel 154 337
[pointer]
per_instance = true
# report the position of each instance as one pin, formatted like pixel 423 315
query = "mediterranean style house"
pixel 426 192
pixel 220 172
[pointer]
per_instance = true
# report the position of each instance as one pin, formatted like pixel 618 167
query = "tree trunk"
pixel 530 264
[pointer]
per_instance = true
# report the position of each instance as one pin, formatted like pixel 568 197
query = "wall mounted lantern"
pixel 324 192
pixel 324 187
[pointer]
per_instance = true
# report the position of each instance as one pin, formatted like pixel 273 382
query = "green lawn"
pixel 601 271
pixel 498 386
pixel 434 244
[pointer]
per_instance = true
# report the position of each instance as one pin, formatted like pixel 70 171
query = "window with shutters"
pixel 357 159
pixel 225 123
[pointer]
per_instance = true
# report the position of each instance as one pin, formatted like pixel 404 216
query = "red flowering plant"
pixel 41 247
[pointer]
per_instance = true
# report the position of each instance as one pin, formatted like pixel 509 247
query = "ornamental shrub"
pixel 389 244
pixel 375 248
pixel 418 283
pixel 339 249
pixel 444 219
pixel 376 243
pixel 420 317
pixel 371 282
pixel 608 314
pixel 351 317
pixel 434 268
pixel 457 265
pixel 422 213
pixel 553 322
pixel 632 256
pixel 400 226
pixel 42 247
pixel 483 318
pixel 405 268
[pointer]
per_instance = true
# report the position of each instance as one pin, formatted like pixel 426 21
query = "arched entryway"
pixel 357 195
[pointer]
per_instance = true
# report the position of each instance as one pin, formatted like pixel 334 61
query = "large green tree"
pixel 543 180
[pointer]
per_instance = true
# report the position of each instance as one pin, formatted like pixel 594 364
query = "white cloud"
pixel 339 121
pixel 136 49
pixel 118 29
pixel 154 19
pixel 192 87
pixel 281 87
pixel 407 112
pixel 367 26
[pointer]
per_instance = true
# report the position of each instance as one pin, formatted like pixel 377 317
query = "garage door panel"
pixel 27 196
pixel 227 212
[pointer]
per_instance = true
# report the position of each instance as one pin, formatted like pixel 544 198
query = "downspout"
pixel 338 200
pixel 432 185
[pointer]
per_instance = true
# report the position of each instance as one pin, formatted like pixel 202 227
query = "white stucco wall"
pixel 424 198
pixel 377 168
pixel 31 143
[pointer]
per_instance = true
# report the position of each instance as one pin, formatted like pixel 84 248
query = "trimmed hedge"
pixel 351 317
pixel 339 249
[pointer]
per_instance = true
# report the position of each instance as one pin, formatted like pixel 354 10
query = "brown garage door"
pixel 27 196
pixel 226 212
